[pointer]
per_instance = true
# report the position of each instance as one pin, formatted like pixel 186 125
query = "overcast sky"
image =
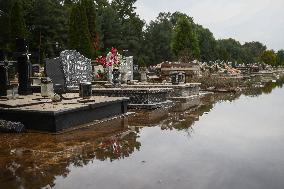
pixel 244 20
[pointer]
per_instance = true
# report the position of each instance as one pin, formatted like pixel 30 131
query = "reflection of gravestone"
pixel 76 68
pixel 69 70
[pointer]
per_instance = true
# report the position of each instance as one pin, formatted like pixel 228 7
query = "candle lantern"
pixel 85 90
pixel 46 87
pixel 15 89
pixel 9 92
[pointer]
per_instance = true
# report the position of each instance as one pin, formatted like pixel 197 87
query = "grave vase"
pixel 109 75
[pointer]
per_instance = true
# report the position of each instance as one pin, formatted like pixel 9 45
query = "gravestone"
pixel 129 64
pixel 54 71
pixel 35 70
pixel 24 67
pixel 76 68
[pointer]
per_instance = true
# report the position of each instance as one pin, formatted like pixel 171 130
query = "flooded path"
pixel 227 142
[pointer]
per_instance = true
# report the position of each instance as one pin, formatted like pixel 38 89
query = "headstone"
pixel 143 76
pixel 35 69
pixel 129 64
pixel 54 71
pixel 76 68
pixel 24 67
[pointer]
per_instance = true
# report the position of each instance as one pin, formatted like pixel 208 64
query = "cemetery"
pixel 65 93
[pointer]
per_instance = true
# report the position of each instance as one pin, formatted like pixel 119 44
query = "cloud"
pixel 244 20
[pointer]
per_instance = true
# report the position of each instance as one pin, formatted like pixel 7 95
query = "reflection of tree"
pixel 266 89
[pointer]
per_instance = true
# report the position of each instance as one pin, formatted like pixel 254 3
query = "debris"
pixel 11 127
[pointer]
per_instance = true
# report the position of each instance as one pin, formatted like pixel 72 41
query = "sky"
pixel 243 20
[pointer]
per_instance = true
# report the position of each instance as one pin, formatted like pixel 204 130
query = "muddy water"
pixel 228 141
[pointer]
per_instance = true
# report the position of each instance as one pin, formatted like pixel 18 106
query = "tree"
pixel 47 22
pixel 184 42
pixel 17 22
pixel 230 50
pixel 141 62
pixel 111 28
pixel 5 10
pixel 79 34
pixel 207 44
pixel 158 36
pixel 253 51
pixel 280 58
pixel 125 8
pixel 90 9
pixel 131 26
pixel 269 57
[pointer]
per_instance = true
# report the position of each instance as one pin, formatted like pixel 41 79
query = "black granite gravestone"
pixel 54 70
pixel 24 67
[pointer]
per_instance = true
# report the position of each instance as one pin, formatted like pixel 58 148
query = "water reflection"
pixel 36 160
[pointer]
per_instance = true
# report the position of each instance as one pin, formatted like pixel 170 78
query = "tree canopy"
pixel 93 27
pixel 184 42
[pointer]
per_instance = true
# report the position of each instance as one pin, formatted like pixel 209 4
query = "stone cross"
pixel 24 66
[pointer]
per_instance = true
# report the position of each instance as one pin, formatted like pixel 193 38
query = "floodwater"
pixel 228 141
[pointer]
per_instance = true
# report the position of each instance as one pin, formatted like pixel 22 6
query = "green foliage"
pixel 6 6
pixel 253 51
pixel 47 21
pixel 207 44
pixel 111 28
pixel 141 62
pixel 184 42
pixel 90 9
pixel 269 57
pixel 280 58
pixel 79 34
pixel 158 36
pixel 17 23
pixel 97 25
pixel 229 50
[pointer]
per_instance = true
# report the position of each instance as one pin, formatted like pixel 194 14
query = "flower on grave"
pixel 112 59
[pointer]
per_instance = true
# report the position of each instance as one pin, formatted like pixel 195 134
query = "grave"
pixel 54 71
pixel 139 98
pixel 70 110
pixel 69 69
pixel 41 114
pixel 181 92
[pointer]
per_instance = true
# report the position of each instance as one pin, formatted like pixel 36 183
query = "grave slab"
pixel 37 113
